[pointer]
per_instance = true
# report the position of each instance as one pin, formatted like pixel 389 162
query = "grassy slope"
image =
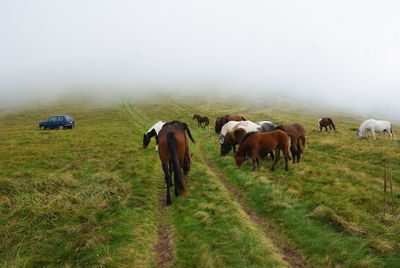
pixel 330 205
pixel 90 196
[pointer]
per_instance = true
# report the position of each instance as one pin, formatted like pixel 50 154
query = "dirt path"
pixel 165 236
pixel 290 255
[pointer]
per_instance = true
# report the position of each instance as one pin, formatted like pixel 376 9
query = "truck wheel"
pixel 60 127
pixel 42 127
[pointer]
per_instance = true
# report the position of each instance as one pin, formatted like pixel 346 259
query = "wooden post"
pixel 384 192
pixel 391 192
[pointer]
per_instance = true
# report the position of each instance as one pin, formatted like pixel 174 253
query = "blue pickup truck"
pixel 58 122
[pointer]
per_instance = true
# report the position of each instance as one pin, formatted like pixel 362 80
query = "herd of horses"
pixel 256 140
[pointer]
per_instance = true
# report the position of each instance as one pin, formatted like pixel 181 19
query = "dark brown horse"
pixel 173 150
pixel 325 123
pixel 225 119
pixel 298 139
pixel 297 129
pixel 296 147
pixel 254 143
pixel 201 120
pixel 231 139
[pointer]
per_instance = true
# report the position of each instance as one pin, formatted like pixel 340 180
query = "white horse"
pixel 375 126
pixel 248 126
pixel 153 131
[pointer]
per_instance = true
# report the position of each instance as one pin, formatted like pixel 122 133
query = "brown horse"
pixel 257 142
pixel 233 138
pixel 225 119
pixel 295 146
pixel 297 129
pixel 325 123
pixel 201 120
pixel 174 155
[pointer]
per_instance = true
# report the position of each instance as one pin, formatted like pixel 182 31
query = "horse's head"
pixel 239 159
pixel 146 141
pixel 225 149
pixel 360 135
pixel 217 128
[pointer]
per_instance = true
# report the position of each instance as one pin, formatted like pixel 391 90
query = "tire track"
pixel 164 247
pixel 166 239
pixel 290 255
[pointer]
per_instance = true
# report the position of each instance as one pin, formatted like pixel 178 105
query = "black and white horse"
pixel 152 132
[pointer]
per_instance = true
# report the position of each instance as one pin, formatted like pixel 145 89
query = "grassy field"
pixel 93 197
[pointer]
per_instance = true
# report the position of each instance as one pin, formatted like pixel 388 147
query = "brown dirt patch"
pixel 166 240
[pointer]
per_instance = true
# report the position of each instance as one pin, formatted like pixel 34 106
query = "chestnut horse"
pixel 325 123
pixel 298 139
pixel 174 155
pixel 201 120
pixel 229 137
pixel 297 129
pixel 258 142
pixel 221 121
pixel 296 148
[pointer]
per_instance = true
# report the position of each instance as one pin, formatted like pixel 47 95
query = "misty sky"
pixel 341 53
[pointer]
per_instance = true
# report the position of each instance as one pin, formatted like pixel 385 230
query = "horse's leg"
pixel 254 155
pixel 286 157
pixel 167 182
pixel 373 133
pixel 294 154
pixel 277 157
pixel 298 153
pixel 320 128
pixel 272 155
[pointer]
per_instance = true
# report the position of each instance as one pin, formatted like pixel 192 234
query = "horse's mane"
pixel 279 127
pixel 247 135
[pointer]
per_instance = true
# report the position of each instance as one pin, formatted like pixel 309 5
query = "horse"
pixel 247 126
pixel 258 142
pixel 375 126
pixel 153 131
pixel 297 129
pixel 233 132
pixel 326 122
pixel 297 133
pixel 201 120
pixel 296 149
pixel 221 121
pixel 174 155
pixel 266 126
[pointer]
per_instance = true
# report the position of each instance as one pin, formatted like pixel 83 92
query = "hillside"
pixel 92 196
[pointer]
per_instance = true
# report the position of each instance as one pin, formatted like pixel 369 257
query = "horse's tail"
pixel 176 167
pixel 333 125
pixel 186 127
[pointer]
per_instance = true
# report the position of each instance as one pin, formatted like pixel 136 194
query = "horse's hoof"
pixel 168 203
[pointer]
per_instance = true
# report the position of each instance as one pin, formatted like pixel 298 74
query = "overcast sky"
pixel 341 53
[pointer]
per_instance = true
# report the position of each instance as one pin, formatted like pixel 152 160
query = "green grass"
pixel 89 196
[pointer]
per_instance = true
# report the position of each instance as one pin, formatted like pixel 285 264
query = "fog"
pixel 340 54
